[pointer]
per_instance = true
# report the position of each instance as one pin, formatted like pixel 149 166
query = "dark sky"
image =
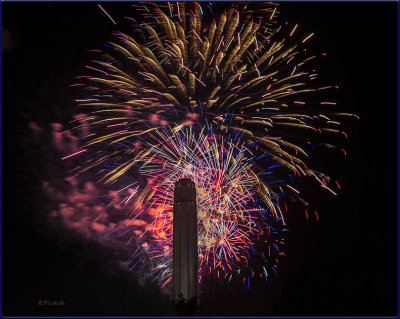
pixel 344 265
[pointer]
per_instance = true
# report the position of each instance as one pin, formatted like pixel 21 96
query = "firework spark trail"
pixel 216 96
pixel 107 14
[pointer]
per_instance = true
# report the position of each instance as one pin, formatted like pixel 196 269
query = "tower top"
pixel 184 182
pixel 185 191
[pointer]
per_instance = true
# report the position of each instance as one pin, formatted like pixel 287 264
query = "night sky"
pixel 343 265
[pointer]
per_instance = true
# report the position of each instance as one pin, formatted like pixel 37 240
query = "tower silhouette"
pixel 185 247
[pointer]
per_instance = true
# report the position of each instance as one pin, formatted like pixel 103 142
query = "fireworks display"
pixel 225 95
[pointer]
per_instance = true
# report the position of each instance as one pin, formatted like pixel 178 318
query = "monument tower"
pixel 185 246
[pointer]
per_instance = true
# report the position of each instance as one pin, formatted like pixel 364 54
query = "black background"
pixel 344 265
